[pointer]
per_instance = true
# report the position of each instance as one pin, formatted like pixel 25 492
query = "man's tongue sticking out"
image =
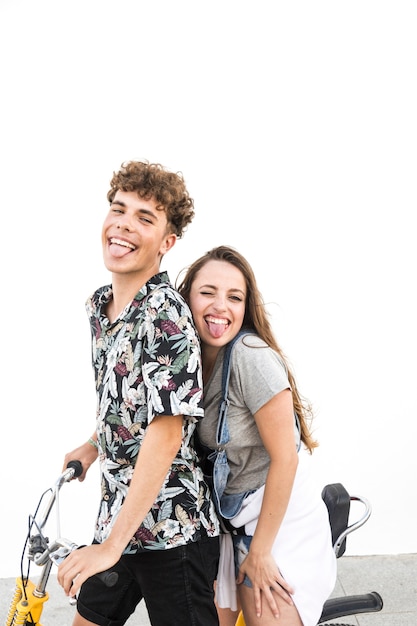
pixel 119 250
pixel 217 329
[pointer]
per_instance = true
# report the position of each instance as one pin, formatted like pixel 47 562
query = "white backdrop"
pixel 294 124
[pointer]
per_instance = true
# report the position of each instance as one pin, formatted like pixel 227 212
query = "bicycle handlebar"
pixel 41 552
pixel 108 577
pixel 335 608
pixel 77 467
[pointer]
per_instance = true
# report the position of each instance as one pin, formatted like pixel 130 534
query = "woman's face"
pixel 217 302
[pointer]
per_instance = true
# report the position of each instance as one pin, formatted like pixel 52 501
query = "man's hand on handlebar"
pixel 83 563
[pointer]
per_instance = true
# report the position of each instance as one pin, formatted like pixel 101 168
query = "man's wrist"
pixel 93 442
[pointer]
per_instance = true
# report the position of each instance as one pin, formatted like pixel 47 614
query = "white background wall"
pixel 294 124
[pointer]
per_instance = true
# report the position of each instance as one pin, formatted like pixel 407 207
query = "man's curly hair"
pixel 152 180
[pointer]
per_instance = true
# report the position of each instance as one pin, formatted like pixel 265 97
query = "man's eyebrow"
pixel 140 210
pixel 147 212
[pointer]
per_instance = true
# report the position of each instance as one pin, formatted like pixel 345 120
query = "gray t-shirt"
pixel 257 374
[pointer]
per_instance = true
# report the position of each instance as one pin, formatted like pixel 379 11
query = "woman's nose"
pixel 220 303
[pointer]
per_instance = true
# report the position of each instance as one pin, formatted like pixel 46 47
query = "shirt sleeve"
pixel 260 373
pixel 171 361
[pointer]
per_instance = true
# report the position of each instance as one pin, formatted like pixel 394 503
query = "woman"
pixel 284 559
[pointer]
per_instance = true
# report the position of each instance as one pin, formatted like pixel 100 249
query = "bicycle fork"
pixel 27 604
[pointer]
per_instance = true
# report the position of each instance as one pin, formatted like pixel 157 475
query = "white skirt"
pixel 302 549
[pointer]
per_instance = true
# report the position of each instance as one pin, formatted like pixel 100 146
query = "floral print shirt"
pixel 147 363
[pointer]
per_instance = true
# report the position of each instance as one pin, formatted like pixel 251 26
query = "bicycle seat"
pixel 337 500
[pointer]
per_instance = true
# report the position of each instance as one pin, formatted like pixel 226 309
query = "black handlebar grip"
pixel 108 577
pixel 77 467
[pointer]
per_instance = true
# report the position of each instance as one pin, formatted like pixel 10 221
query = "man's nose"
pixel 124 222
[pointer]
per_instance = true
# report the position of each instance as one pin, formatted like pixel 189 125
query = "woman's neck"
pixel 209 356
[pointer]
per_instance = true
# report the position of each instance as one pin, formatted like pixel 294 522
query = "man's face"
pixel 134 235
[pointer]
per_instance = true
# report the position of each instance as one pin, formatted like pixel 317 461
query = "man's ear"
pixel 168 243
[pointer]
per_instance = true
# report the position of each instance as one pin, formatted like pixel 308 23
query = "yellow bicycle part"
pixel 240 620
pixel 25 603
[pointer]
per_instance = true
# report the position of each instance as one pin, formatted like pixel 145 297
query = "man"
pixel 156 525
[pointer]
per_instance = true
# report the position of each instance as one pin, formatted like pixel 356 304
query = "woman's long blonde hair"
pixel 255 318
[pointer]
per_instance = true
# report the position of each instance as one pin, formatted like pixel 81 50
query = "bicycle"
pixel 28 600
pixel 338 500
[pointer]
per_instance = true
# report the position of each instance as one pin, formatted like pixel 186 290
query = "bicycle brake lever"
pixel 58 555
